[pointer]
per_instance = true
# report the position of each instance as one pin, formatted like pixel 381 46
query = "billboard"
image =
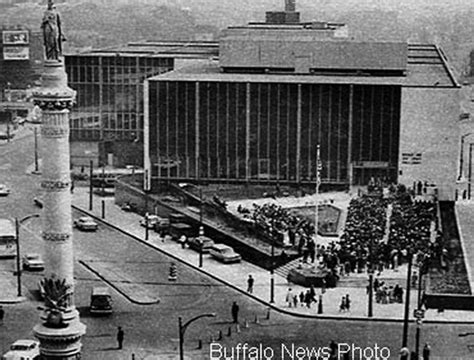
pixel 16 53
pixel 15 37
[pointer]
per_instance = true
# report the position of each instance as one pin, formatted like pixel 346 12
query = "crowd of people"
pixel 364 245
pixel 275 221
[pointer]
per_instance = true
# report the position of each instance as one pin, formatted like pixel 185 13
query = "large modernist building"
pixel 280 88
pixel 107 121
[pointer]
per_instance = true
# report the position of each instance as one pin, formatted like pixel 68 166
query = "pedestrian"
pixel 2 314
pixel 302 298
pixel 426 351
pixel 295 300
pixel 307 299
pixel 72 186
pixel 289 297
pixel 250 282
pixel 342 306
pixel 348 303
pixel 120 335
pixel 333 347
pixel 235 312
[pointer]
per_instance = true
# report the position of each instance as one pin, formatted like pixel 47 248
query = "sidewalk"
pixel 235 275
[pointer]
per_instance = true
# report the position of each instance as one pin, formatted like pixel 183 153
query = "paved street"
pixel 135 271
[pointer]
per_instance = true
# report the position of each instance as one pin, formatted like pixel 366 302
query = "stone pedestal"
pixel 60 330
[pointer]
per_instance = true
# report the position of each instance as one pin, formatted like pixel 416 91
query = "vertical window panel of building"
pixel 305 132
pixel 254 131
pixel 273 115
pixel 283 133
pixel 203 130
pixel 334 132
pixel 190 129
pixel 343 134
pixel 367 123
pixel 222 118
pixel 263 131
pixel 174 128
pixel 214 130
pixel 293 132
pixel 220 126
pixel 231 130
pixel 181 151
pixel 242 131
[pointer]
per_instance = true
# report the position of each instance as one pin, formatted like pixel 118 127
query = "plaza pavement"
pixel 235 275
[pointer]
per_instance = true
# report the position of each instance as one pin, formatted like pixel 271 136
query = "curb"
pixel 117 288
pixel 263 302
pixel 11 301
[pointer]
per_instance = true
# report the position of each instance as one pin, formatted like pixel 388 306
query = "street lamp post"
pixel 461 155
pixel 371 279
pixel 200 205
pixel 17 234
pixel 423 265
pixel 407 302
pixel 36 149
pixel 91 169
pixel 470 172
pixel 272 274
pixel 182 329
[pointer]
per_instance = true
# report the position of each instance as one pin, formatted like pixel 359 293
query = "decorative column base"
pixel 61 343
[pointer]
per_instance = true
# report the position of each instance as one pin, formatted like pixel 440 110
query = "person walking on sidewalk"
pixel 426 351
pixel 289 297
pixel 250 282
pixel 2 314
pixel 348 303
pixel 235 312
pixel 120 335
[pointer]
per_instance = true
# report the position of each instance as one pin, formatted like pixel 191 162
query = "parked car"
pixel 130 207
pixel 201 243
pixel 152 221
pixel 101 301
pixel 4 190
pixel 24 350
pixel 86 223
pixel 32 262
pixel 224 253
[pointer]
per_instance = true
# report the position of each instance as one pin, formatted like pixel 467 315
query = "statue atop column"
pixel 52 34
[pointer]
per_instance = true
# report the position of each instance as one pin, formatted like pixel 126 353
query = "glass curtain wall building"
pixel 109 106
pixel 260 132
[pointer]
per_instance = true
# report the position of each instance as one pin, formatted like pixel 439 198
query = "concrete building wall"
pixel 429 138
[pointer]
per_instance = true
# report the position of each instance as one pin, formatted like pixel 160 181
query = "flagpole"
pixel 317 197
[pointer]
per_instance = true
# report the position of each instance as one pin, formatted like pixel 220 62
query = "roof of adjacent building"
pixel 174 49
pixel 426 66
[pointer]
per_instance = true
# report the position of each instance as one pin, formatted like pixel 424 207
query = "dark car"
pixel 201 243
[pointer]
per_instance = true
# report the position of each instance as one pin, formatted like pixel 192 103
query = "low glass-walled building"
pixel 107 121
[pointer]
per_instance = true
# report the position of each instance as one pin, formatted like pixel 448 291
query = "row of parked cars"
pixel 181 231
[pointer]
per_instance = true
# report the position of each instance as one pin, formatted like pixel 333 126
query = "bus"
pixel 106 177
pixel 7 238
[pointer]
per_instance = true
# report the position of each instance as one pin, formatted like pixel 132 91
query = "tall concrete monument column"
pixel 60 329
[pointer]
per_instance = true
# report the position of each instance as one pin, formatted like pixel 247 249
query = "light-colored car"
pixel 86 223
pixel 152 221
pixel 201 243
pixel 32 262
pixel 23 350
pixel 224 253
pixel 4 190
